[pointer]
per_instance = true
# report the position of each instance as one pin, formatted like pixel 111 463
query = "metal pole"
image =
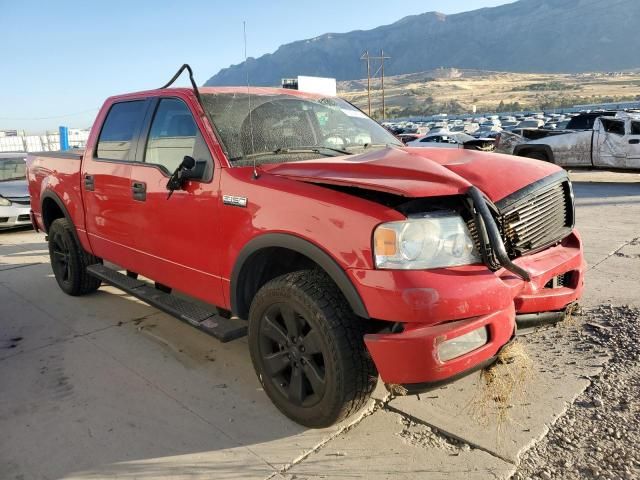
pixel 366 57
pixel 64 138
pixel 382 77
pixel 369 83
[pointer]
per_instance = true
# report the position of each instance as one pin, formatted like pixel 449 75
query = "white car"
pixel 15 203
pixel 447 139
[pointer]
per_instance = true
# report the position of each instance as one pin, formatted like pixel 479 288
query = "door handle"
pixel 139 190
pixel 89 183
pixel 634 141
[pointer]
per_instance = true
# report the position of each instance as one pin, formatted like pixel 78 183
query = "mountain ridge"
pixel 553 36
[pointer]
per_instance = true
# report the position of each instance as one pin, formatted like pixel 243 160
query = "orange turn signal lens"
pixel 385 242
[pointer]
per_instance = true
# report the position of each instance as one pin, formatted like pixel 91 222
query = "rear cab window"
pixel 120 131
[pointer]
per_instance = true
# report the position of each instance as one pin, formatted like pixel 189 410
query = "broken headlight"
pixel 430 240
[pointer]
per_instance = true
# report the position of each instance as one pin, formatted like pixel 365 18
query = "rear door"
pixel 178 239
pixel 106 172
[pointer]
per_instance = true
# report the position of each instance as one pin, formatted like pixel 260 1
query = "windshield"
pixel 12 169
pixel 285 128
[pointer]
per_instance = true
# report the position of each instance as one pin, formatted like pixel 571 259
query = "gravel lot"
pixel 598 436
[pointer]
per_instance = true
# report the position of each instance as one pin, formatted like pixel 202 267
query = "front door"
pixel 611 146
pixel 633 157
pixel 177 236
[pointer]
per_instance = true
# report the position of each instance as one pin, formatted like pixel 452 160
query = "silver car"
pixel 15 203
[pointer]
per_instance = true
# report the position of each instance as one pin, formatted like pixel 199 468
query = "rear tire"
pixel 308 351
pixel 537 156
pixel 69 261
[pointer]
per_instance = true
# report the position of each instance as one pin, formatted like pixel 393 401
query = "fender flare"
pixel 520 150
pixel 51 195
pixel 309 250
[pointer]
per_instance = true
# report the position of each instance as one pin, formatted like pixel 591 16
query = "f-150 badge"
pixel 235 201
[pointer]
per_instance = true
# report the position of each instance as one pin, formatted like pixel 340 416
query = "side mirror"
pixel 181 174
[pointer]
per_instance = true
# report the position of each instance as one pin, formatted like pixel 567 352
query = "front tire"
pixel 308 351
pixel 69 260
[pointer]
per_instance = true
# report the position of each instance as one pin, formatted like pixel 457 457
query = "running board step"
pixel 224 329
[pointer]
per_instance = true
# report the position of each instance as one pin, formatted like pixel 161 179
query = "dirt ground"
pixel 105 386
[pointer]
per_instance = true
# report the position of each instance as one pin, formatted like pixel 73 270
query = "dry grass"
pixel 487 89
pixel 571 316
pixel 502 385
pixel 396 390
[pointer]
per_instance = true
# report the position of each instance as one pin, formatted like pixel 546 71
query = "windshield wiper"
pixel 311 149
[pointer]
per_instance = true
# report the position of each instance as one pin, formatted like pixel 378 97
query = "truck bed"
pixel 57 173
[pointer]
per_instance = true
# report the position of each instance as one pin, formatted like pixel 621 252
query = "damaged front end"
pixel 456 319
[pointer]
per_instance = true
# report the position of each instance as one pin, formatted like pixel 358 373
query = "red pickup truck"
pixel 303 223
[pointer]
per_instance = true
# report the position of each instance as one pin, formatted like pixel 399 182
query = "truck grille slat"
pixel 554 221
pixel 549 198
pixel 538 209
pixel 537 217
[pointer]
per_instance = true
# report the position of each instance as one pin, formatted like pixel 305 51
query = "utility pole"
pixel 382 57
pixel 365 56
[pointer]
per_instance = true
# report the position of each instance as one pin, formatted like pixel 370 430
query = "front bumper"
pixel 437 305
pixel 15 216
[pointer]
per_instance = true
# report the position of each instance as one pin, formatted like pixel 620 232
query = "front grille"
pixel 532 218
pixel 539 219
pixel 559 281
pixel 24 218
pixel 4 219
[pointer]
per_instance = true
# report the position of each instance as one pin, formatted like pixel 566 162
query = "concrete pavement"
pixel 105 386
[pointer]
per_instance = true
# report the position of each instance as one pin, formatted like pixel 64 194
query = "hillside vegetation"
pixel 456 91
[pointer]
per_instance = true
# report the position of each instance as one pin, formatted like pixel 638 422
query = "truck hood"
pixel 421 172
pixel 14 189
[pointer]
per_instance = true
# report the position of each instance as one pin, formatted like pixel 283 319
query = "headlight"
pixel 4 202
pixel 435 239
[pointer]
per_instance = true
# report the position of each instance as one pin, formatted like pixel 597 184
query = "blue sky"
pixel 65 58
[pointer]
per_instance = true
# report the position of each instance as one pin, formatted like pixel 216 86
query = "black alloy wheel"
pixel 308 350
pixel 69 261
pixel 61 259
pixel 291 352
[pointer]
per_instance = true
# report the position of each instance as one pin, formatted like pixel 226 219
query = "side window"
pixel 613 126
pixel 173 135
pixel 635 128
pixel 117 138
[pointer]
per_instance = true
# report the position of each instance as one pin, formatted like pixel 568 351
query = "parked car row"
pixel 491 125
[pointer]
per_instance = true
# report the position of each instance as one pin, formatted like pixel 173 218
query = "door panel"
pixel 633 157
pixel 178 236
pixel 106 182
pixel 611 145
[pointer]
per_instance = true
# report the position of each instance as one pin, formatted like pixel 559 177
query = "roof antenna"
pixel 246 66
